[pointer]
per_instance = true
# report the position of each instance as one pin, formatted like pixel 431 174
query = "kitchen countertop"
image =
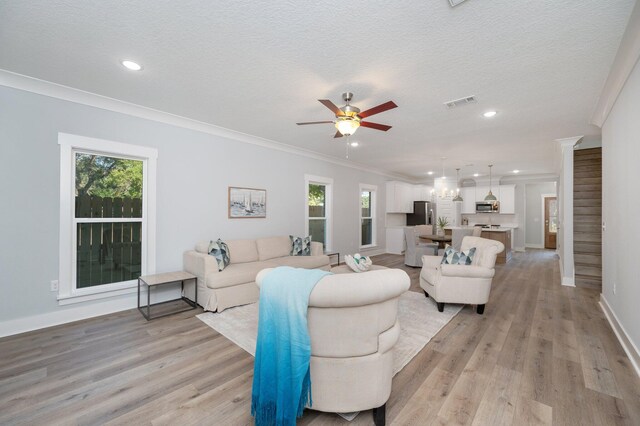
pixel 500 229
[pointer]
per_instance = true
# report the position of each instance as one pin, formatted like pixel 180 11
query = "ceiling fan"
pixel 349 118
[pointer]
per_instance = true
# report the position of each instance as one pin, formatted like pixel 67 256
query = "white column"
pixel 565 209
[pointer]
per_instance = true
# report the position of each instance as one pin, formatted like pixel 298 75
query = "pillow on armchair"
pixel 455 257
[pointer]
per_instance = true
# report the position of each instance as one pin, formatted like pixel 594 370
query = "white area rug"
pixel 418 315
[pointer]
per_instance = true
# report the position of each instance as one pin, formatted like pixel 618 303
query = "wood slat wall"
pixel 587 217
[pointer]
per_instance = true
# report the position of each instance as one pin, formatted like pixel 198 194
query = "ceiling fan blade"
pixel 331 106
pixel 338 134
pixel 376 126
pixel 378 109
pixel 313 122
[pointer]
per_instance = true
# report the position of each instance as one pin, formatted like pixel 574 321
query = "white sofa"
pixel 235 285
pixel 353 324
pixel 466 284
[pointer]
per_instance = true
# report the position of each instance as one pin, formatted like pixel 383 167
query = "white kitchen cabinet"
pixel 422 192
pixel 468 195
pixel 507 199
pixel 399 197
pixel 395 240
pixel 482 191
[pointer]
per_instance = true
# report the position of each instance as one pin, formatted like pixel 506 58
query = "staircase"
pixel 587 217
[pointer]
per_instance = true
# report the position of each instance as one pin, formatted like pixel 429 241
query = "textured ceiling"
pixel 259 67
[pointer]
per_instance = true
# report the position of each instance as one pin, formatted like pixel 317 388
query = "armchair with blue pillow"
pixel 462 277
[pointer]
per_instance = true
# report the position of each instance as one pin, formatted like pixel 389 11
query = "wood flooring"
pixel 540 354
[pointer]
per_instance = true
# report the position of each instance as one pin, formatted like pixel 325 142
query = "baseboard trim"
pixel 566 281
pixel 373 251
pixel 520 249
pixel 534 246
pixel 76 313
pixel 629 348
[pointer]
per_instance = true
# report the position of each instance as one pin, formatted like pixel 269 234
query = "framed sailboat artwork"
pixel 247 203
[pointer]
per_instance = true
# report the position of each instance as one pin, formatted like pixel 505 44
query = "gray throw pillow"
pixel 220 251
pixel 300 246
pixel 455 257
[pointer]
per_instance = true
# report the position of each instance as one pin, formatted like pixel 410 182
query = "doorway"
pixel 550 222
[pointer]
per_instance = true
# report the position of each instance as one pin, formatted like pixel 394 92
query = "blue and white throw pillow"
pixel 455 257
pixel 220 251
pixel 300 246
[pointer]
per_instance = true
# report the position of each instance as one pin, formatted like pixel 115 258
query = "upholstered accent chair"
pixel 416 249
pixel 466 284
pixel 477 231
pixel 353 324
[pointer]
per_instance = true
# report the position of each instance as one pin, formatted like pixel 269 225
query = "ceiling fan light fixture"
pixel 347 125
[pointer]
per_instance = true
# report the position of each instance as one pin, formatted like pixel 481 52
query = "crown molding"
pixel 623 64
pixel 533 178
pixel 58 91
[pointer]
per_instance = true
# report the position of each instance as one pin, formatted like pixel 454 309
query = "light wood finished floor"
pixel 540 354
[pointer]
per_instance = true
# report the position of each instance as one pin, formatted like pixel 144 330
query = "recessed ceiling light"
pixel 354 144
pixel 429 173
pixel 476 174
pixel 516 171
pixel 133 66
pixel 489 114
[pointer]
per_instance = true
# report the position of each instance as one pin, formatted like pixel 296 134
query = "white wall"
pixel 194 171
pixel 620 207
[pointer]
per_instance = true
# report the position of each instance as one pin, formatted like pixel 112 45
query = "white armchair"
pixel 415 249
pixel 466 284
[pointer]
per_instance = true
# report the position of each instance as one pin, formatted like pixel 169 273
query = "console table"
pixel 162 279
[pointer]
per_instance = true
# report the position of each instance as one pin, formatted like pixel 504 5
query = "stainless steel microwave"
pixel 487 207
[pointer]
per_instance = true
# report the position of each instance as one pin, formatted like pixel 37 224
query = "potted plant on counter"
pixel 442 223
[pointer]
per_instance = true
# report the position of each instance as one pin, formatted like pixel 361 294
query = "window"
pixel 107 207
pixel 318 209
pixel 367 215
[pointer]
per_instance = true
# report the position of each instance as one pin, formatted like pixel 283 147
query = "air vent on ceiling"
pixel 461 102
pixel 454 3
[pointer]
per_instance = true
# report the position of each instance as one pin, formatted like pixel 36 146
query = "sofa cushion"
pixel 242 251
pixel 203 247
pixel 307 262
pixel 270 248
pixel 235 274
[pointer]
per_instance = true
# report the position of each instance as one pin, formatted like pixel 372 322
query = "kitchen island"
pixel 502 234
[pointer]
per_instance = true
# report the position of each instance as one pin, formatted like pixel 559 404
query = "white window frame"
pixel 374 204
pixel 328 208
pixel 69 145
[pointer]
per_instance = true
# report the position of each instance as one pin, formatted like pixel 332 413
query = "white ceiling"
pixel 259 67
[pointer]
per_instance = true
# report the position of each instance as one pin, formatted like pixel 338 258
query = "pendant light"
pixel 458 197
pixel 490 196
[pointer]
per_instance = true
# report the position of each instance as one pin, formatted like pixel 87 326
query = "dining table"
pixel 442 240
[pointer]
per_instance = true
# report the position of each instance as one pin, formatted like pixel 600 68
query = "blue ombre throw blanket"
pixel 281 378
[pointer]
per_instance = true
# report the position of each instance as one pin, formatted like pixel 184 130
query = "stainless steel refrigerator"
pixel 424 213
